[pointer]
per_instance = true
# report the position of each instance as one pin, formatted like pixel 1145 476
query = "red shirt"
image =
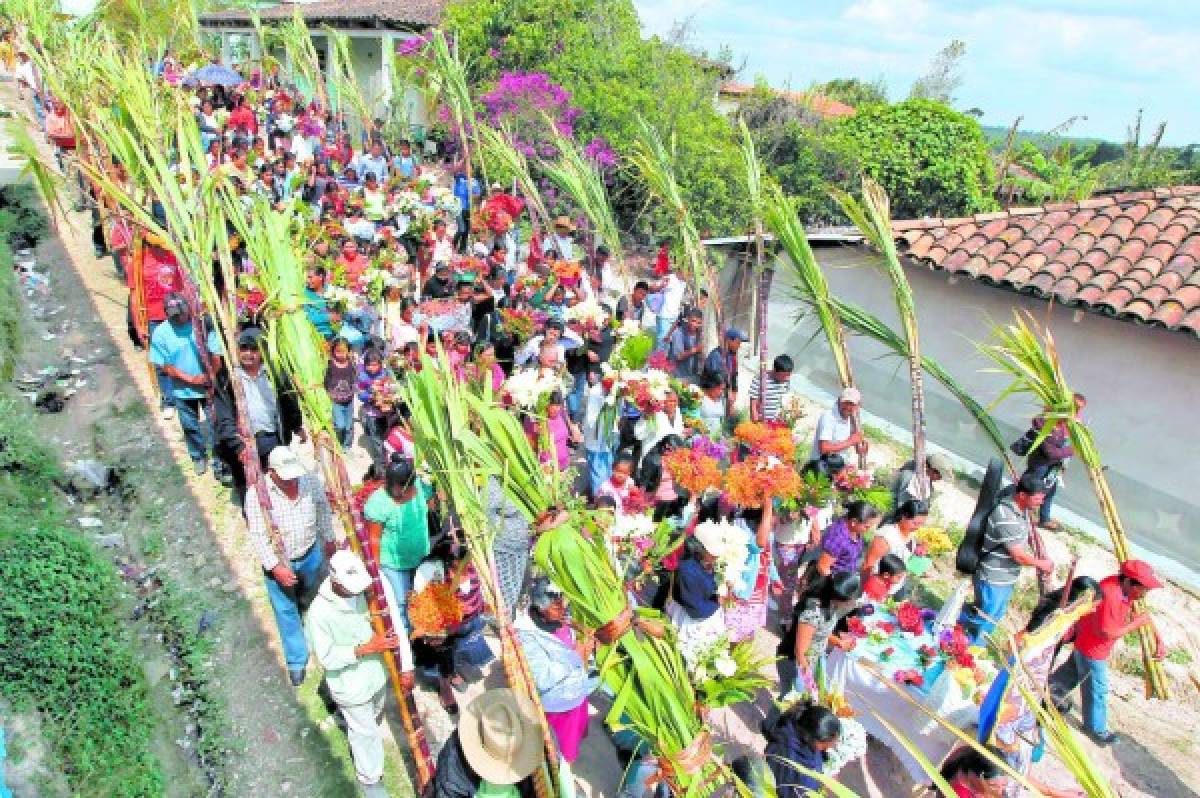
pixel 160 276
pixel 243 119
pixel 1114 611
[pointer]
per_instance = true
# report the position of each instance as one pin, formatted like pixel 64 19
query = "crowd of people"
pixel 610 370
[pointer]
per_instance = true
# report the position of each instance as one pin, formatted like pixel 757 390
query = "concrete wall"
pixel 1142 385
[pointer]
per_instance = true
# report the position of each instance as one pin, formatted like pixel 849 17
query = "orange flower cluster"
pixel 752 482
pixel 767 438
pixel 566 269
pixel 435 611
pixel 691 470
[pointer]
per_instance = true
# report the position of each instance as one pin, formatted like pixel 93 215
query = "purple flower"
pixel 493 52
pixel 704 445
pixel 601 153
pixel 412 47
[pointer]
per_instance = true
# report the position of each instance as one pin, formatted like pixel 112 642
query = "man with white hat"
pixel 339 629
pixel 494 750
pixel 300 511
pixel 835 432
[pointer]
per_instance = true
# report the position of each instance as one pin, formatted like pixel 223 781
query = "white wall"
pixel 1142 385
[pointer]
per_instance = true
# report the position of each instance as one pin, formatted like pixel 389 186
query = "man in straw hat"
pixel 562 240
pixel 494 750
pixel 339 629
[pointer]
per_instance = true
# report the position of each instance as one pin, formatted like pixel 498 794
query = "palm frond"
pixel 498 147
pixel 581 180
pixel 1026 353
pixel 46 178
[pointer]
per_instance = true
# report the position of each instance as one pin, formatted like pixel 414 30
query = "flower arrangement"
pixel 688 395
pixel 519 323
pixel 627 328
pixel 908 616
pixel 637 502
pixel 935 540
pixel 851 746
pixel 850 478
pixel 385 393
pixel 567 271
pixel 445 201
pixel 728 544
pixel 692 470
pixel 708 447
pixel 909 676
pixel 406 203
pixel 954 644
pixel 435 611
pixel 340 297
pixel 726 675
pixel 758 479
pixel 646 389
pixel 588 312
pixel 527 388
pixel 766 438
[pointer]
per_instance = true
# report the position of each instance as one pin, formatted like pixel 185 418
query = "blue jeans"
pixel 289 602
pixel 575 397
pixel 343 422
pixel 401 580
pixel 1092 675
pixel 991 602
pixel 197 437
pixel 662 328
pixel 600 466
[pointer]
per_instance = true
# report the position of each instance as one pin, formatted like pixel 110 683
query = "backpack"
pixel 970 551
pixel 1024 444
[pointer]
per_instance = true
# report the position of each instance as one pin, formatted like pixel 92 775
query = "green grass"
pixel 64 651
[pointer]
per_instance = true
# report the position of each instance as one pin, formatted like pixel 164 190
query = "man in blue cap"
pixel 723 360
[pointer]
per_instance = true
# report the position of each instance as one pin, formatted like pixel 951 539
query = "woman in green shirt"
pixel 398 525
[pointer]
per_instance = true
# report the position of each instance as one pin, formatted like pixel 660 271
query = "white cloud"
pixel 888 12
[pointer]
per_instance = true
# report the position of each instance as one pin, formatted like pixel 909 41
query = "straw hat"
pixel 500 736
pixel 564 223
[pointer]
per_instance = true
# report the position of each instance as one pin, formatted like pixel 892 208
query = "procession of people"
pixel 717 504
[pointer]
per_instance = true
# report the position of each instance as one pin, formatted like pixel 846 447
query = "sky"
pixel 1045 60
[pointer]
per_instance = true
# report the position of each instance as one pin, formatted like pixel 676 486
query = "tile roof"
pixel 826 107
pixel 1132 256
pixel 360 13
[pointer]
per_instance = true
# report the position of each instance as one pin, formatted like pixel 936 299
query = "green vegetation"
pixel 930 159
pixel 63 650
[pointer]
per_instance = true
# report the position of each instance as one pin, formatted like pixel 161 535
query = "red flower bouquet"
pixel 638 501
pixel 909 676
pixel 908 615
pixel 856 626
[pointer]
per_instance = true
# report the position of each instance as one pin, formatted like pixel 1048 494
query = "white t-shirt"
pixel 672 297
pixel 830 427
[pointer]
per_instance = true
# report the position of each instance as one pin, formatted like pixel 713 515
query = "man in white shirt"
pixel 556 334
pixel 672 289
pixel 372 163
pixel 339 627
pixel 835 430
pixel 562 240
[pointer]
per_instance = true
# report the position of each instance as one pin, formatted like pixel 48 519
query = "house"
pixel 375 28
pixel 1117 278
pixel 731 94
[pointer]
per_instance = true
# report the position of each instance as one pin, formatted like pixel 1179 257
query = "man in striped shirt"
pixel 302 515
pixel 766 406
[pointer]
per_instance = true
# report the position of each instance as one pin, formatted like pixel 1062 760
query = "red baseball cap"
pixel 1141 572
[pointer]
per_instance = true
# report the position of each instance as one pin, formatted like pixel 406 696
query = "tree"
pixel 1147 165
pixel 930 159
pixel 854 92
pixel 594 49
pixel 944 75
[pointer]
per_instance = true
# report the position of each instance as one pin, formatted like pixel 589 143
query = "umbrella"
pixel 214 74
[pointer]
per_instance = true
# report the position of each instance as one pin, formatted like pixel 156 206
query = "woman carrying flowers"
pixel 843 543
pixel 397 516
pixel 748 610
pixel 695 606
pixel 552 437
pixel 818 612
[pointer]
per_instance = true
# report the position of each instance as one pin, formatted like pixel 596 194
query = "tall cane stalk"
pixel 655 162
pixel 756 194
pixel 873 217
pixel 1025 351
pixel 811 287
pixel 579 177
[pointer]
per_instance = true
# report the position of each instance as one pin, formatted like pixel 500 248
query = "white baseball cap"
pixel 284 462
pixel 850 394
pixel 348 570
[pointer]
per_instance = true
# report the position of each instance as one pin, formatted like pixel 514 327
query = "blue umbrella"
pixel 214 75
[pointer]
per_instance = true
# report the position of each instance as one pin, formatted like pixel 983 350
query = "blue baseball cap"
pixel 734 332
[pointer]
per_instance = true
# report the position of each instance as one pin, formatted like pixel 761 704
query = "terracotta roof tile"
pixel 1133 255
